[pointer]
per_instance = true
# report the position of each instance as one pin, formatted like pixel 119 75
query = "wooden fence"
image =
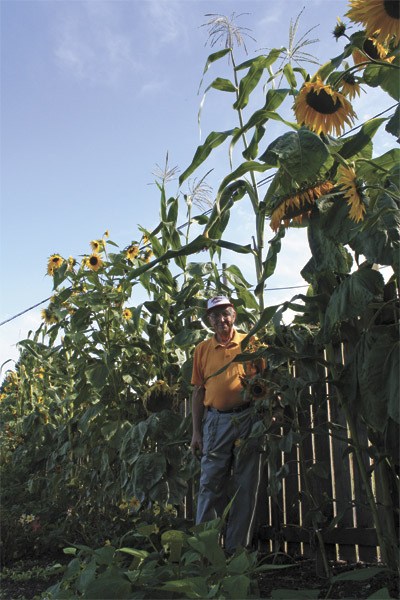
pixel 285 521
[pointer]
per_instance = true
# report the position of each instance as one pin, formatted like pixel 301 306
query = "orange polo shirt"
pixel 223 391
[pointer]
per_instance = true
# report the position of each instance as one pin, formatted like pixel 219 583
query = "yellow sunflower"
pixel 293 208
pixel 347 180
pixel 55 261
pixel 372 49
pixel 106 234
pixel 48 316
pixel 126 314
pixel 97 245
pixel 379 17
pixel 322 109
pixel 132 252
pixel 94 262
pixel 147 255
pixel 349 86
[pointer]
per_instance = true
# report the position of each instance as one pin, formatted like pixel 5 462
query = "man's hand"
pixel 196 445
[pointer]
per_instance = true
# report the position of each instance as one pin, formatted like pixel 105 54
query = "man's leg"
pixel 247 471
pixel 215 466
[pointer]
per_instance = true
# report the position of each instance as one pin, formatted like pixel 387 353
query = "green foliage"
pixel 93 433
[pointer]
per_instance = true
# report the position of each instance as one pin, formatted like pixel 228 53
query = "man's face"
pixel 222 319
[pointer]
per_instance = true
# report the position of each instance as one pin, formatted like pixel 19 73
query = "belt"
pixel 238 409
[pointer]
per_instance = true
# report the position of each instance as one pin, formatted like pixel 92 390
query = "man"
pixel 221 423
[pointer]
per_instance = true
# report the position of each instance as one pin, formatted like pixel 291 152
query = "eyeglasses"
pixel 224 314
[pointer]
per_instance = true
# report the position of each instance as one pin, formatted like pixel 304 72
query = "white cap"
pixel 218 301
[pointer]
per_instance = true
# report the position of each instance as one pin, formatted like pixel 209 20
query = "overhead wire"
pixel 259 184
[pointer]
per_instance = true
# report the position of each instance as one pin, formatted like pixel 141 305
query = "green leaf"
pixel 393 125
pixel 328 256
pixel 236 586
pixel 269 265
pixel 386 77
pixel 190 587
pixel 187 338
pixel 224 85
pixel 381 594
pixel 214 139
pixel 289 74
pixel 352 296
pixel 359 574
pixel 97 374
pixel 249 82
pixel 354 144
pixel 214 57
pixel 300 154
pixel 148 470
pixel 112 584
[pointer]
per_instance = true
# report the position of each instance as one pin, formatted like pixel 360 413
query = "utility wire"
pixel 259 184
pixel 24 311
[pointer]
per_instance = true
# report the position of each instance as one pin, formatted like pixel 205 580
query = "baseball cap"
pixel 218 301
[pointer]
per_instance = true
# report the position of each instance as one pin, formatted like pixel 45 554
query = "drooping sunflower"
pixel 379 17
pixel 48 316
pixel 55 261
pixel 147 254
pixel 349 86
pixel 97 245
pixel 323 109
pixel 372 49
pixel 347 180
pixel 94 262
pixel 296 206
pixel 132 252
pixel 126 314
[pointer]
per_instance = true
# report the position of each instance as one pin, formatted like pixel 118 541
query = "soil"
pixel 296 579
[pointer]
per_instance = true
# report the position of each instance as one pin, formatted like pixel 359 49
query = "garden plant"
pixel 94 420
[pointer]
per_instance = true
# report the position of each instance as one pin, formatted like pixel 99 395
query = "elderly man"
pixel 221 423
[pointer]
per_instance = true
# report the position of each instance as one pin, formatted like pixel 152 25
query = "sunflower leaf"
pixel 351 297
pixel 386 77
pixel 300 154
pixel 356 143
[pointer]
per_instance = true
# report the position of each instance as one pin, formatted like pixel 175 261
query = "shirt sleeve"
pixel 197 373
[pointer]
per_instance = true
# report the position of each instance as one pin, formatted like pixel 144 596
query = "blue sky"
pixel 94 94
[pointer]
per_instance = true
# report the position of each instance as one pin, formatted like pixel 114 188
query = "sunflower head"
pixel 352 192
pixel 349 86
pixel 323 109
pixel 339 30
pixel 132 252
pixel 97 245
pixel 48 316
pixel 294 207
pixel 159 396
pixel 371 50
pixel 380 18
pixel 94 262
pixel 126 314
pixel 55 261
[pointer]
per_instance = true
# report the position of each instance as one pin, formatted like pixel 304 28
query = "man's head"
pixel 221 314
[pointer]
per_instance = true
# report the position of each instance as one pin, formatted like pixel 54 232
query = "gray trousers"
pixel 228 467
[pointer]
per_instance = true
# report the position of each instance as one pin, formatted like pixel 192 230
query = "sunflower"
pixel 349 86
pixel 294 207
pixel 48 316
pixel 97 245
pixel 378 17
pixel 347 180
pixel 339 30
pixel 54 263
pixel 106 234
pixel 132 252
pixel 146 256
pixel 71 263
pixel 372 49
pixel 126 314
pixel 322 109
pixel 94 262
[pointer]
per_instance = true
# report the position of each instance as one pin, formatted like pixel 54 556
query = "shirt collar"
pixel 235 341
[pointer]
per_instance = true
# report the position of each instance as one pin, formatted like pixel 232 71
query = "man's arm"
pixel 197 419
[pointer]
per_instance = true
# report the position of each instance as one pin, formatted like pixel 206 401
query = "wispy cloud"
pixel 166 24
pixel 91 44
